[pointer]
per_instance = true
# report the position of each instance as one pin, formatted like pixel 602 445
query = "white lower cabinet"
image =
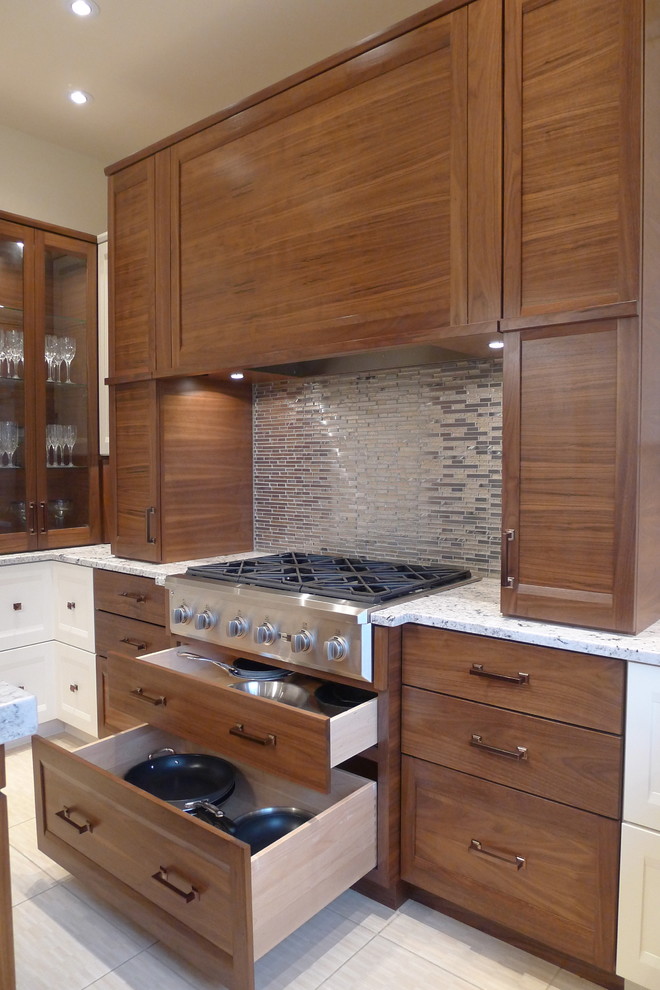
pixel 76 687
pixel 638 948
pixel 73 602
pixel 33 669
pixel 26 604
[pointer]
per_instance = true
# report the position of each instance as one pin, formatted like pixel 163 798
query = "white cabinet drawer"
pixel 76 687
pixel 26 604
pixel 33 669
pixel 229 907
pixel 74 605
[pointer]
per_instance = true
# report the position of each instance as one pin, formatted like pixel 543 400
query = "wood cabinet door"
pixel 134 433
pixel 336 215
pixel 570 474
pixel 138 265
pixel 571 154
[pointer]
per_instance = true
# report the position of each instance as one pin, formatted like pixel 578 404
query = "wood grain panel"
pixel 562 762
pixel 131 595
pixel 135 464
pixel 570 687
pixel 565 896
pixel 128 637
pixel 572 154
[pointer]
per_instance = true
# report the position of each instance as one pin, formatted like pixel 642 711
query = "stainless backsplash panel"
pixel 403 464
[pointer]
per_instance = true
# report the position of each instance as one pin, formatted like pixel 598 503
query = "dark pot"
pixel 184 779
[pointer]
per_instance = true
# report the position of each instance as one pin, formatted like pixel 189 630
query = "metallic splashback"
pixel 404 464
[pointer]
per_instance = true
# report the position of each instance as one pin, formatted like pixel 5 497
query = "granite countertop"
pixel 18 713
pixel 475 608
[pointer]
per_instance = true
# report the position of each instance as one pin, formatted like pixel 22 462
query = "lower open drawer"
pixel 184 880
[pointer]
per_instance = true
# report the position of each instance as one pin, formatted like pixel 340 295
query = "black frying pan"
pixel 258 828
pixel 184 779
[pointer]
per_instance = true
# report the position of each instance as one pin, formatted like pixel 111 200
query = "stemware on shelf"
pixel 3 353
pixel 69 439
pixel 9 437
pixel 14 351
pixel 68 354
pixel 50 348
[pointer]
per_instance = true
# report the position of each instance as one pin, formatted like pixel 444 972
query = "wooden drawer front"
pixel 564 896
pixel 131 595
pixel 569 687
pixel 128 637
pixel 245 904
pixel 289 742
pixel 562 762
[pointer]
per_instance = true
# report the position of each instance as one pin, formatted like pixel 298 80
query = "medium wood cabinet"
pixel 182 469
pixel 48 393
pixel 510 815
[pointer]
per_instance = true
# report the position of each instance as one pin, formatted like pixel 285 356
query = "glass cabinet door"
pixel 18 523
pixel 66 379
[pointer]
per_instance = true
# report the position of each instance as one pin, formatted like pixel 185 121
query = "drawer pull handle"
pixel 477 669
pixel 137 643
pixel 65 815
pixel 187 895
pixel 139 693
pixel 520 752
pixel 136 596
pixel 518 861
pixel 70 605
pixel 239 730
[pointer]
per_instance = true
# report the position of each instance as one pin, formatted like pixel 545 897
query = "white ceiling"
pixel 155 66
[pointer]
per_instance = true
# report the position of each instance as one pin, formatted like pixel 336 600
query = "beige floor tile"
pixel 27 879
pixel 142 972
pixel 382 965
pixel 363 911
pixel 114 917
pixel 23 837
pixel 20 786
pixel 61 944
pixel 568 981
pixel 478 958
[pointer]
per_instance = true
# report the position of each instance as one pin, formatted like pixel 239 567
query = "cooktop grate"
pixel 355 579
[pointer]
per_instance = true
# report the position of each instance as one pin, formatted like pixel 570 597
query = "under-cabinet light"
pixel 237 375
pixel 496 345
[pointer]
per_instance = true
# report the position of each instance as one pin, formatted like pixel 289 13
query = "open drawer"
pixel 195 699
pixel 189 883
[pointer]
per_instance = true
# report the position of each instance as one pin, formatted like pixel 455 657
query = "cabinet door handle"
pixel 71 605
pixel 44 517
pixel 17 606
pixel 73 688
pixel 33 517
pixel 134 595
pixel 134 642
pixel 239 730
pixel 187 895
pixel 478 670
pixel 520 752
pixel 65 815
pixel 149 516
pixel 518 861
pixel 139 693
pixel 507 581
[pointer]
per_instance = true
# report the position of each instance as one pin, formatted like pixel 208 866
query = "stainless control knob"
pixel 238 626
pixel 336 648
pixel 265 634
pixel 205 620
pixel 182 614
pixel 301 641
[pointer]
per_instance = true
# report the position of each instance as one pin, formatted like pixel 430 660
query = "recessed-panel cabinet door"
pixel 134 427
pixel 334 216
pixel 572 154
pixel 570 478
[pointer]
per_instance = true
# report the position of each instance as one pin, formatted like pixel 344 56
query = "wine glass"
pixel 59 507
pixel 14 342
pixel 68 354
pixel 50 348
pixel 3 350
pixel 70 435
pixel 8 441
pixel 51 445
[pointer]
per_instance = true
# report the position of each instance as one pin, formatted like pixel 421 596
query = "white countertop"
pixel 18 713
pixel 475 608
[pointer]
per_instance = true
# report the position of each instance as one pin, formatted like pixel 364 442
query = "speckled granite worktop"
pixel 18 713
pixel 475 608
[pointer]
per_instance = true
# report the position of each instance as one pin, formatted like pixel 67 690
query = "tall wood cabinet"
pixel 48 394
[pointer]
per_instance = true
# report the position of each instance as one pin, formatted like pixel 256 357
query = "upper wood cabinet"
pixel 359 208
pixel 572 104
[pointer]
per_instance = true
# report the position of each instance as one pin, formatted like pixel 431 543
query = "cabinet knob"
pixel 73 688
pixel 70 605
pixel 17 606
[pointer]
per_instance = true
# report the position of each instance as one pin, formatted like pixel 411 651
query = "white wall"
pixel 46 182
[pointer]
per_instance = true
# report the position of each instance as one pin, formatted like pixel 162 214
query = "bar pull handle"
pixel 134 595
pixel 139 693
pixel 138 644
pixel 149 515
pixel 518 861
pixel 33 516
pixel 508 536
pixel 477 669
pixel 65 815
pixel 44 517
pixel 520 752
pixel 239 730
pixel 186 895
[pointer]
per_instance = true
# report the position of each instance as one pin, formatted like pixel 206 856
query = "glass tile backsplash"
pixel 404 464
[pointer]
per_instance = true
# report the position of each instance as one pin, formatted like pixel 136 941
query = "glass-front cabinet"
pixel 48 405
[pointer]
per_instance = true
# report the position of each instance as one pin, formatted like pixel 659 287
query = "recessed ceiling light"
pixel 496 345
pixel 83 8
pixel 237 375
pixel 80 97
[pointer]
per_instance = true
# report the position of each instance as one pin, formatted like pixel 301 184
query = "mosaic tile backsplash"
pixel 403 465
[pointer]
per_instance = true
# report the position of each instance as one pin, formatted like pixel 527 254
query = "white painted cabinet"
pixel 26 604
pixel 638 951
pixel 73 602
pixel 76 687
pixel 33 668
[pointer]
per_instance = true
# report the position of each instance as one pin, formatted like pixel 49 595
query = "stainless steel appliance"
pixel 312 610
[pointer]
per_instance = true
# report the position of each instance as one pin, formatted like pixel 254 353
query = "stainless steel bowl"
pixel 287 694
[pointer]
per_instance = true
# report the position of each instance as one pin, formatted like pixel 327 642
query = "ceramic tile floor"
pixel 66 939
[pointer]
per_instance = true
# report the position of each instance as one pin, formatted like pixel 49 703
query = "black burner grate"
pixel 354 579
